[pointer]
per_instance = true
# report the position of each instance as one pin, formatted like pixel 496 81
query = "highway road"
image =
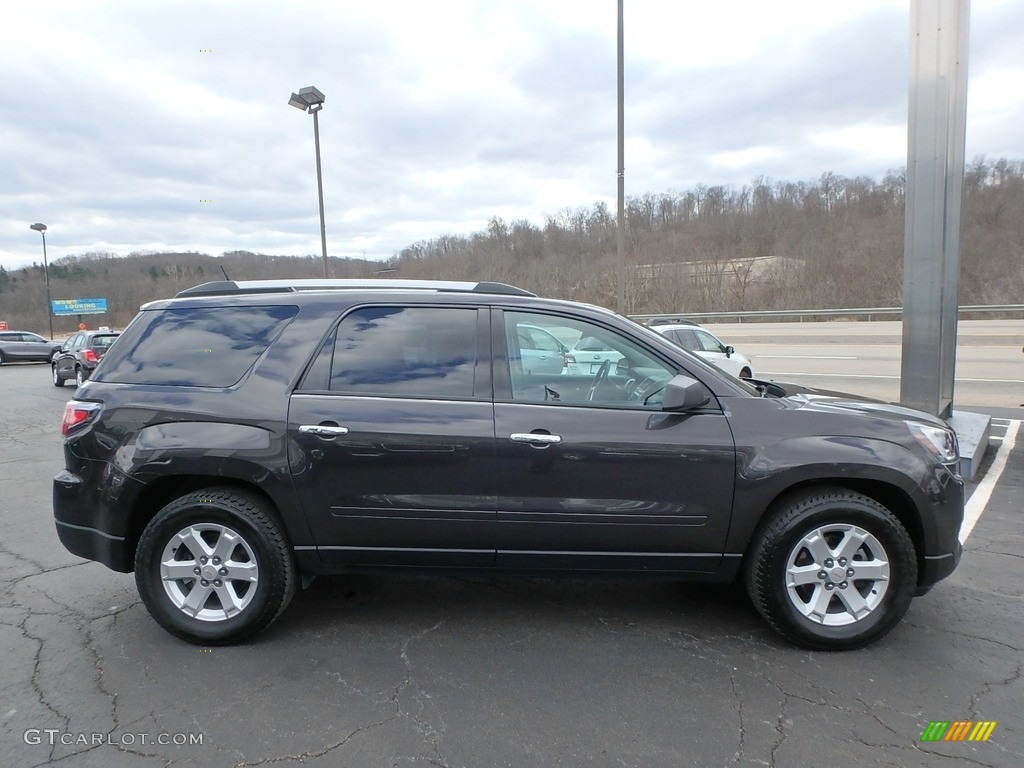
pixel 864 357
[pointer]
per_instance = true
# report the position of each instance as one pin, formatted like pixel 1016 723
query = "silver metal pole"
pixel 620 302
pixel 320 189
pixel 935 175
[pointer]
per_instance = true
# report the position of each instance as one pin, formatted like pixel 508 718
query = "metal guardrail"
pixel 800 314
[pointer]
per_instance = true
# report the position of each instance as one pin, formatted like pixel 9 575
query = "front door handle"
pixel 325 431
pixel 535 439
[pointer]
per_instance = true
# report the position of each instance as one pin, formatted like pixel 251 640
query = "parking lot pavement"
pixel 397 671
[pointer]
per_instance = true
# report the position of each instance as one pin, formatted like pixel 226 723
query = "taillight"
pixel 77 414
pixel 90 356
pixel 570 359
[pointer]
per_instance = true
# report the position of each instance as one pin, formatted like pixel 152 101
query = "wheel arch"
pixel 162 491
pixel 890 496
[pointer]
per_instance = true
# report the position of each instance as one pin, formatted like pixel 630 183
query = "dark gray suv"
pixel 79 355
pixel 243 437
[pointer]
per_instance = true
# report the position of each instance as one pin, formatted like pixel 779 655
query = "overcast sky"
pixel 131 126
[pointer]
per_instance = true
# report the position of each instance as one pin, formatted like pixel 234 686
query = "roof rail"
pixel 228 287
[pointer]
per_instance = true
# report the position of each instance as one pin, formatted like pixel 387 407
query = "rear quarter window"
pixel 194 346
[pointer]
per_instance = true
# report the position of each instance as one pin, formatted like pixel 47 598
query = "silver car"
pixel 26 346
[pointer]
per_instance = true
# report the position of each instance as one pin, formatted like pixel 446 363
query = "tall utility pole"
pixel 41 229
pixel 620 301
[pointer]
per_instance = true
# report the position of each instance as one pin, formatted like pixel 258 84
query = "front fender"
pixel 766 472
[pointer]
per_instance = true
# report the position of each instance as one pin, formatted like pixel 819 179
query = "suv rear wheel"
pixel 214 568
pixel 832 570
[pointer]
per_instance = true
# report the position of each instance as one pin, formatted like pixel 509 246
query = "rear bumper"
pixel 94 544
pixel 87 526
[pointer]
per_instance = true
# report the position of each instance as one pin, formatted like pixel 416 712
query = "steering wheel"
pixel 638 389
pixel 599 378
pixel 646 390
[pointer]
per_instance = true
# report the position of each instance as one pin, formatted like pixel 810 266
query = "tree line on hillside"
pixel 831 242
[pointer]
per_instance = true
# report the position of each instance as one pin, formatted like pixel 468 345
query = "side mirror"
pixel 683 393
pixel 730 351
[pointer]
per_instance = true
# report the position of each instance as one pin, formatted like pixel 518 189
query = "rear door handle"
pixel 532 438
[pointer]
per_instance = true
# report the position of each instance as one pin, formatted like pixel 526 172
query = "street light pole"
pixel 320 185
pixel 41 229
pixel 620 300
pixel 312 101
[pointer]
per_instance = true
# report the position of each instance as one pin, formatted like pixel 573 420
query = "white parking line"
pixel 977 503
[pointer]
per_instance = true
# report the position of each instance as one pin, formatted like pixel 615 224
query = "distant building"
pixel 751 269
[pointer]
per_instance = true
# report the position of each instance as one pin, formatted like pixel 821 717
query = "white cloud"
pixel 116 122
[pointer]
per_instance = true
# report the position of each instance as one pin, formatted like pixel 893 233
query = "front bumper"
pixel 942 547
pixel 935 568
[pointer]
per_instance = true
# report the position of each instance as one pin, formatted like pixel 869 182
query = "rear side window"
pixel 400 352
pixel 194 346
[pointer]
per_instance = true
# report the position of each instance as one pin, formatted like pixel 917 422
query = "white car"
pixel 588 354
pixel 707 345
pixel 539 350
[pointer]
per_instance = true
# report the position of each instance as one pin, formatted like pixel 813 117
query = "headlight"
pixel 940 442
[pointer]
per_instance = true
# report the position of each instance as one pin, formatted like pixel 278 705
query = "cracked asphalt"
pixel 404 671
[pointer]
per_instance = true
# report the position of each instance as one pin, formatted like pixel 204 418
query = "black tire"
pixel 2 358
pixel 746 373
pixel 58 380
pixel 853 612
pixel 80 376
pixel 213 517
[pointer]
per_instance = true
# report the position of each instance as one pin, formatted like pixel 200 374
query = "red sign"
pixel 3 325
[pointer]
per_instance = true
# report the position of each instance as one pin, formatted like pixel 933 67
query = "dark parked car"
pixel 25 346
pixel 79 355
pixel 243 437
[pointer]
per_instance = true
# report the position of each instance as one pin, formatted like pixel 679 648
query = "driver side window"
pixel 583 363
pixel 709 343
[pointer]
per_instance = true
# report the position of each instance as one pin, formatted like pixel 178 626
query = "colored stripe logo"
pixel 959 730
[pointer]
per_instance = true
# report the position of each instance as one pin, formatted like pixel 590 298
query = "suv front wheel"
pixel 832 570
pixel 213 567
